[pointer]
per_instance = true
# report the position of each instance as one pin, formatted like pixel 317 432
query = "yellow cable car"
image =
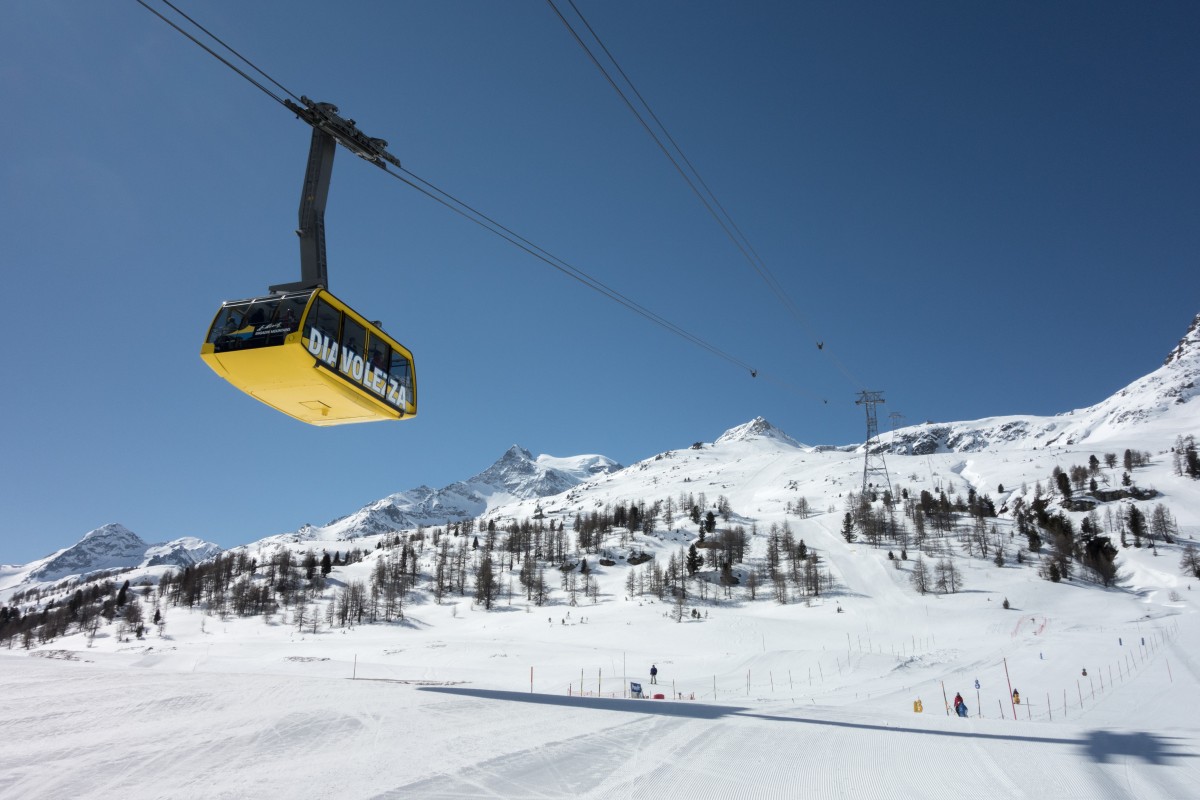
pixel 312 357
pixel 300 350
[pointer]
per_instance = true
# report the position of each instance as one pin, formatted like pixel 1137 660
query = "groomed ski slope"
pixel 443 708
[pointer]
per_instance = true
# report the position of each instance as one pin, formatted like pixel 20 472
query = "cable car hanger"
pixel 329 129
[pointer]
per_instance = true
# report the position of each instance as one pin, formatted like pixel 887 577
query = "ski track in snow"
pixel 105 732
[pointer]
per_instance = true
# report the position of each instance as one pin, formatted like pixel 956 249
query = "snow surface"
pixel 812 698
pixel 779 700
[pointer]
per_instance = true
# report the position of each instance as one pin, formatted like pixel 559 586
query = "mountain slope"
pixel 1154 408
pixel 515 476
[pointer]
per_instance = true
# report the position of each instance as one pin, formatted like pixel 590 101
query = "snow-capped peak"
pixel 757 428
pixel 114 546
pixel 1188 347
pixel 516 475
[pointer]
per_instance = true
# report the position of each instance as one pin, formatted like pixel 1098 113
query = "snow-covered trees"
pixel 1189 561
pixel 487 587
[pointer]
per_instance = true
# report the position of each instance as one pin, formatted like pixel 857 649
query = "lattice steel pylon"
pixel 873 463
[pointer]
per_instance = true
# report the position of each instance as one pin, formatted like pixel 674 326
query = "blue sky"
pixel 979 209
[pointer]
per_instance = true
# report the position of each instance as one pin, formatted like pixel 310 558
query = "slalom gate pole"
pixel 945 699
pixel 1169 670
pixel 1000 703
pixel 1049 710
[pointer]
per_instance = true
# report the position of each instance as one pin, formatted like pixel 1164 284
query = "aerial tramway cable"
pixel 466 210
pixel 686 169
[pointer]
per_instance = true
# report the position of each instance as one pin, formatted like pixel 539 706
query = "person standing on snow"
pixel 653 674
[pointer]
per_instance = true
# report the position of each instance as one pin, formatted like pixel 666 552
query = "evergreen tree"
pixel 486 585
pixel 1191 459
pixel 1190 560
pixel 1064 483
pixel 1136 521
pixel 848 528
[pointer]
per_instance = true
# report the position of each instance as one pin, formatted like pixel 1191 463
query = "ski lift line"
pixel 683 173
pixel 215 54
pixel 756 261
pixel 220 41
pixel 708 198
pixel 466 210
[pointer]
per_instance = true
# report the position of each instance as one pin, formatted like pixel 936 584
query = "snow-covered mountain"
pixel 756 429
pixel 111 547
pixel 756 463
pixel 1155 407
pixel 515 476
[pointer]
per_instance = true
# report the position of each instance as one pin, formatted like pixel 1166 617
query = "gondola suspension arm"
pixel 329 129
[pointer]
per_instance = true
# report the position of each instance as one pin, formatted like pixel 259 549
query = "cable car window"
pixel 325 320
pixel 350 360
pixel 263 326
pixel 227 324
pixel 379 356
pixel 260 313
pixel 290 310
pixel 400 371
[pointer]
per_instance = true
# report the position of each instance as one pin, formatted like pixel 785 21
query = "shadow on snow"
pixel 1100 746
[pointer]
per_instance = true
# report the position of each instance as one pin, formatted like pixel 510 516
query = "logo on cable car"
pixel 354 367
